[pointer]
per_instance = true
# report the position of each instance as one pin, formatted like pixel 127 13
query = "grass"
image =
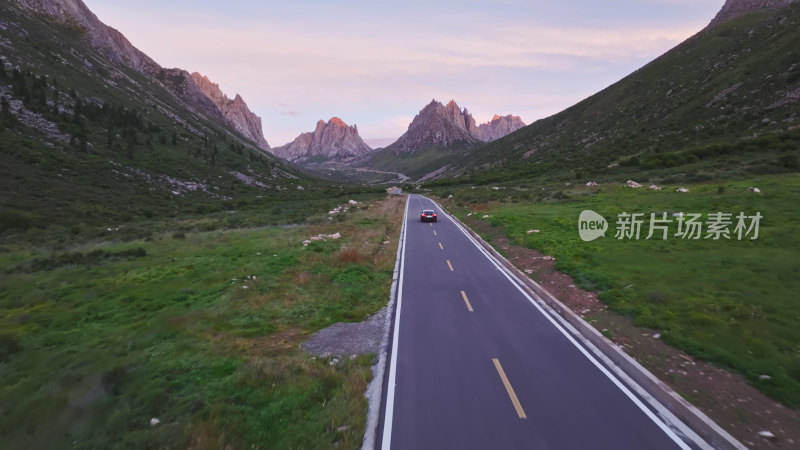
pixel 727 301
pixel 199 329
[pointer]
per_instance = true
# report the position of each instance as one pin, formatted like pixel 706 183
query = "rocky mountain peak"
pixel 235 111
pixel 498 127
pixel 735 8
pixel 436 125
pixel 442 126
pixel 333 139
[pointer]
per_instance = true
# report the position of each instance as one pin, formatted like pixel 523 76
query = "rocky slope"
pixel 100 36
pixel 101 123
pixel 735 8
pixel 118 49
pixel 498 127
pixel 235 111
pixel 332 140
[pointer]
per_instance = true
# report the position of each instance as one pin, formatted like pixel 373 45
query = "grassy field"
pixel 199 329
pixel 727 301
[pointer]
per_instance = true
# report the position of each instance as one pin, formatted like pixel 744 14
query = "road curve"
pixel 475 364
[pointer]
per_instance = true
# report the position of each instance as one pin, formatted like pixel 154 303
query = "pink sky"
pixel 376 64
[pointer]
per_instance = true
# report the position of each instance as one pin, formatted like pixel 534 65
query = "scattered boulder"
pixel 764 377
pixel 352 202
pixel 754 189
pixel 632 184
pixel 681 189
pixel 766 434
pixel 655 188
pixel 532 231
pixel 154 421
pixel 319 237
pixel 591 184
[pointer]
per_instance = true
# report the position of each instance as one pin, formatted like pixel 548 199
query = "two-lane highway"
pixel 476 364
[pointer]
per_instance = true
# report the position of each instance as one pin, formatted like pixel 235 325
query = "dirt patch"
pixel 347 339
pixel 725 397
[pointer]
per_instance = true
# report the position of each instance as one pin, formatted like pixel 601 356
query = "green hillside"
pixel 722 104
pixel 88 144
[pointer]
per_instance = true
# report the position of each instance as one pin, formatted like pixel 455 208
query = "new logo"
pixel 591 225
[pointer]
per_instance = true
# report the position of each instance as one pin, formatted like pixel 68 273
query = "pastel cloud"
pixel 377 64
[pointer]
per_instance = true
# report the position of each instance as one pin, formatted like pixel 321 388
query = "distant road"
pixel 475 364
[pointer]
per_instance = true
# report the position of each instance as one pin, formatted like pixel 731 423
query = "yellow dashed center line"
pixel 509 389
pixel 440 246
pixel 449 265
pixel 466 300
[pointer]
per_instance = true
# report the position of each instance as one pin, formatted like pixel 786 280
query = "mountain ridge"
pixel 235 111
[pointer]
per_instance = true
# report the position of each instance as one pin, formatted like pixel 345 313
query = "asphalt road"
pixel 475 364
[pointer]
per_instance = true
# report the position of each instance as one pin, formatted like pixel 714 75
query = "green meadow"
pixel 733 302
pixel 197 329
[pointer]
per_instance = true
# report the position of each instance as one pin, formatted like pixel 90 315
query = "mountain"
pixel 103 38
pixel 436 125
pixel 498 127
pixel 735 8
pixel 235 111
pixel 94 133
pixel 725 102
pixel 332 140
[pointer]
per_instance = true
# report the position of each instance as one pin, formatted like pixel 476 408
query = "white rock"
pixel 533 231
pixel 306 242
pixel 244 287
pixel 682 189
pixel 352 202
pixel 154 421
pixel 485 216
pixel 753 189
pixel 300 188
pixel 632 184
pixel 764 377
pixel 591 184
pixel 766 434
pixel 657 336
pixel 335 235
pixel 655 188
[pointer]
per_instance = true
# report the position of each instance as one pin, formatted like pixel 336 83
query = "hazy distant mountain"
pixel 498 127
pixel 235 111
pixel 332 140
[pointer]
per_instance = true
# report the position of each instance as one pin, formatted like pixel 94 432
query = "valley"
pixel 162 261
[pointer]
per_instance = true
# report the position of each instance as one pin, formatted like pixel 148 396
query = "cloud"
pixel 377 64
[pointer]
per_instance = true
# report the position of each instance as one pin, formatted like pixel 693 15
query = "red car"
pixel 428 215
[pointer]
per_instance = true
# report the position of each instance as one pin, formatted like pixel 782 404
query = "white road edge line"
pixel 568 335
pixel 389 414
